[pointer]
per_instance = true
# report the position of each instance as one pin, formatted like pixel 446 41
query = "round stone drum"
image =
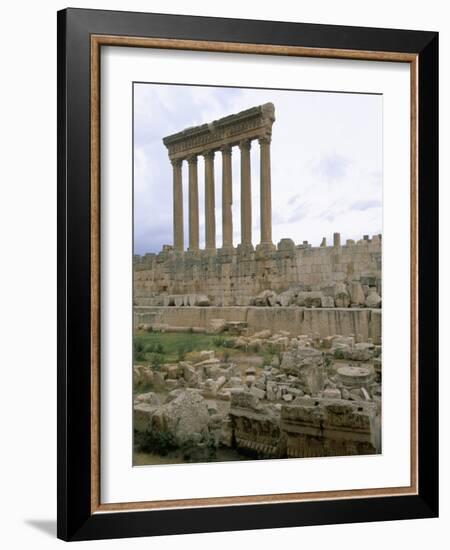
pixel 355 377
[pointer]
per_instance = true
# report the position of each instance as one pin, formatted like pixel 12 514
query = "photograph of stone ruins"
pixel 248 351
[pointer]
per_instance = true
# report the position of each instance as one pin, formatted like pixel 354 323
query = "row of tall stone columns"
pixel 227 199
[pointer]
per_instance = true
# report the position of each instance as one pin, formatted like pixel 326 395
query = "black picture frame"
pixel 75 518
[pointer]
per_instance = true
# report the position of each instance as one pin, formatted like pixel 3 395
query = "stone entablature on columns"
pixel 253 123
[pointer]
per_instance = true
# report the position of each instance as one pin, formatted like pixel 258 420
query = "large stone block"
pixel 307 365
pixel 357 293
pixel 324 427
pixel 182 417
pixel 373 299
pixel 327 301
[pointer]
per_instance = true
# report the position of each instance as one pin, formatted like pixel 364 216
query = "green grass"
pixel 173 346
pixel 157 348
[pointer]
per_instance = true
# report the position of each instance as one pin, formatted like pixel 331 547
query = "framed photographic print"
pixel 247 274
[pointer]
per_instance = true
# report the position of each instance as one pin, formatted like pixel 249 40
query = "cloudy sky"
pixel 326 162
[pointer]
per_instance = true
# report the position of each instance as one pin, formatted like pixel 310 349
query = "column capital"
pixel 209 154
pixel 245 144
pixel 192 159
pixel 176 162
pixel 265 139
pixel 226 149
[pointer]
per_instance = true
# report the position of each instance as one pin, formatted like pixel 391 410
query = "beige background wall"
pixel 233 280
pixel 363 323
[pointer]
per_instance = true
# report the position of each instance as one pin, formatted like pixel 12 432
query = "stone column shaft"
pixel 193 204
pixel 246 194
pixel 178 237
pixel 227 198
pixel 266 192
pixel 210 214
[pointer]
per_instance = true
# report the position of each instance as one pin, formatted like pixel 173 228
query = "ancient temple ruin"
pixel 342 277
pixel 294 367
pixel 238 130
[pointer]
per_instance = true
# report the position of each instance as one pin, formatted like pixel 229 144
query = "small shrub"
pixel 156 361
pixel 138 350
pixel 138 346
pixel 207 451
pixel 271 348
pixel 228 343
pixel 156 442
pixel 218 341
pixel 159 348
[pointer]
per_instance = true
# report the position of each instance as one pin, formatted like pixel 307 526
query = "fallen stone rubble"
pixel 339 295
pixel 352 294
pixel 317 397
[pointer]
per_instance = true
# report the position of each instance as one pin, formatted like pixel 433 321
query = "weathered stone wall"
pixel 364 323
pixel 232 278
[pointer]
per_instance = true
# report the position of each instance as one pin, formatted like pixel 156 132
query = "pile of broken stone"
pixel 322 391
pixel 341 295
